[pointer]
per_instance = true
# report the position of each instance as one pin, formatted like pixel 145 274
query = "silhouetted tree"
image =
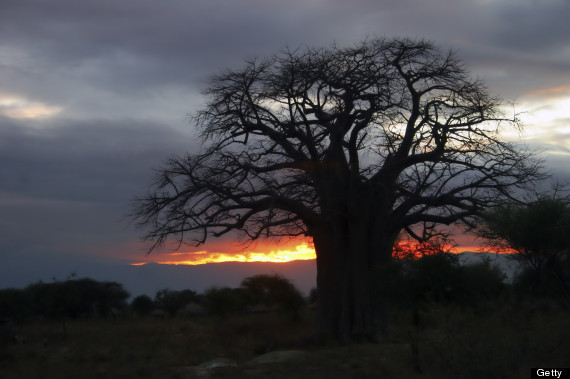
pixel 349 146
pixel 224 301
pixel 538 235
pixel 142 305
pixel 76 298
pixel 275 291
pixel 436 278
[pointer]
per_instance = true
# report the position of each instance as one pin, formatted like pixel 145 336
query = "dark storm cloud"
pixel 540 26
pixel 131 45
pixel 142 43
pixel 96 160
pixel 67 188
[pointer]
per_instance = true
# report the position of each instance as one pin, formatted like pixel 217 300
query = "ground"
pixel 502 341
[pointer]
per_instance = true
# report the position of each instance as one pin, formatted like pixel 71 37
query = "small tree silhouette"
pixel 224 301
pixel 142 305
pixel 537 234
pixel 275 291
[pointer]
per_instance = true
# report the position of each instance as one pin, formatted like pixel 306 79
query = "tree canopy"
pixel 72 298
pixel 349 146
pixel 537 234
pixel 274 291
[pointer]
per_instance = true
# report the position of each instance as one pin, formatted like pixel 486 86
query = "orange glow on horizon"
pixel 414 250
pixel 302 251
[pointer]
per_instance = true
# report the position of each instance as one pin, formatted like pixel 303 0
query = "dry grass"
pixel 501 342
pixel 142 347
pixel 504 342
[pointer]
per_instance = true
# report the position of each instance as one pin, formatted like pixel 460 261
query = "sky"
pixel 96 94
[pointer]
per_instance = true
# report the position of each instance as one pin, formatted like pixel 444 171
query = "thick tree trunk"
pixel 357 318
pixel 347 244
pixel 344 310
pixel 330 256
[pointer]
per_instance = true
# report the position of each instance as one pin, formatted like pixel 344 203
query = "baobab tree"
pixel 348 146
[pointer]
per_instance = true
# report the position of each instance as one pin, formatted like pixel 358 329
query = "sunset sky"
pixel 94 95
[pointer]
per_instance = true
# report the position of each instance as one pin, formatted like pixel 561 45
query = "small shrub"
pixel 142 305
pixel 224 301
pixel 172 301
pixel 275 291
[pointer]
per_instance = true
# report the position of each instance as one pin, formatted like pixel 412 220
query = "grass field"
pixel 501 341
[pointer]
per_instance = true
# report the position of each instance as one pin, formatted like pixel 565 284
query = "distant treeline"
pixel 72 298
pixel 405 283
pixel 85 298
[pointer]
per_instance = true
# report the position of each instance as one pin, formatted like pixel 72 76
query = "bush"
pixel 436 278
pixel 142 305
pixel 224 301
pixel 481 281
pixel 274 291
pixel 71 298
pixel 551 282
pixel 172 301
pixel 15 304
